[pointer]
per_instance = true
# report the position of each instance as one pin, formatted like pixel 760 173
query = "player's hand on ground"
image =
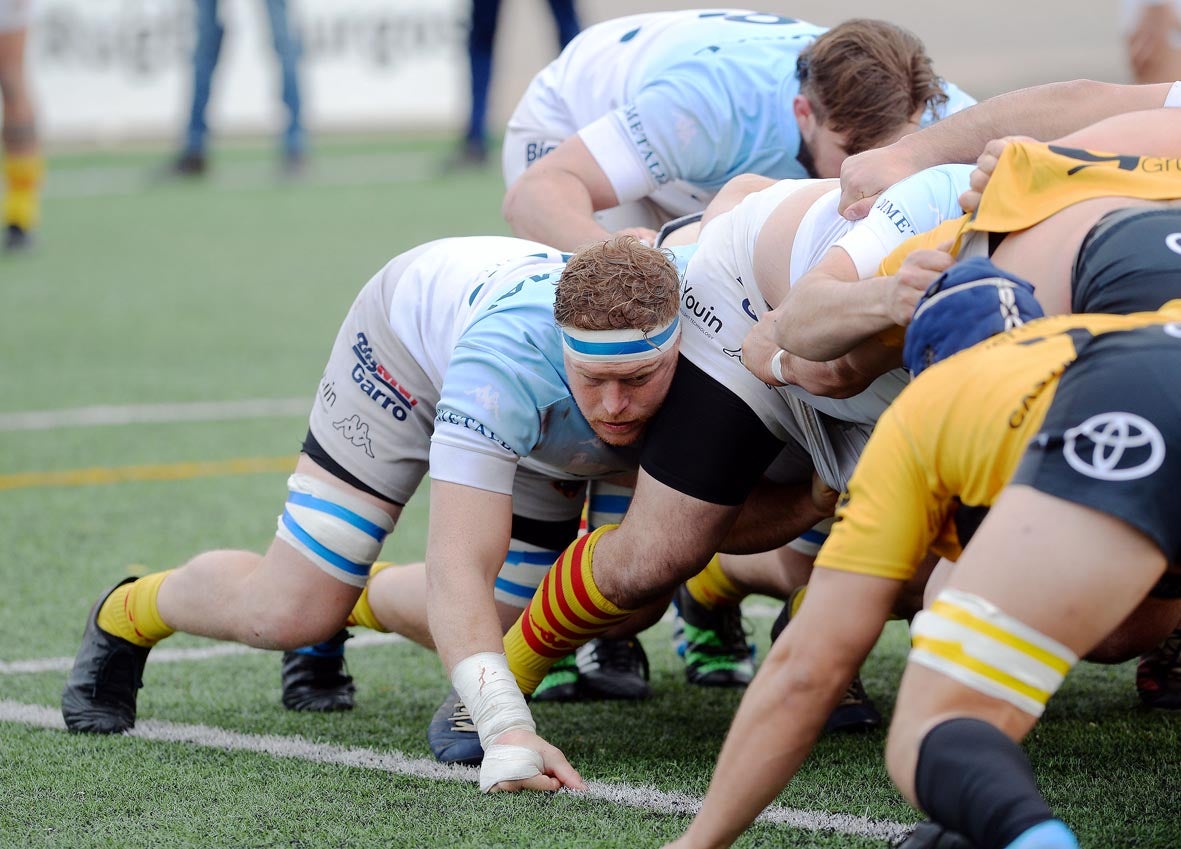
pixel 644 234
pixel 759 347
pixel 866 175
pixel 985 166
pixel 917 273
pixel 555 772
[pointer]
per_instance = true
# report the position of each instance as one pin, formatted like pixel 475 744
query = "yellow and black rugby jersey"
pixel 1032 181
pixel 951 441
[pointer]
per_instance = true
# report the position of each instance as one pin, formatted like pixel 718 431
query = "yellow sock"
pixel 566 611
pixel 362 614
pixel 130 612
pixel 796 599
pixel 21 202
pixel 711 587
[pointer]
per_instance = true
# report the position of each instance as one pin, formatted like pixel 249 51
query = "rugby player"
pixel 515 373
pixel 643 118
pixel 1044 112
pixel 722 430
pixel 1066 433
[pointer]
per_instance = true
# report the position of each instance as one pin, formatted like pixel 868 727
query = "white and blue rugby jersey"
pixel 722 271
pixel 698 96
pixel 505 398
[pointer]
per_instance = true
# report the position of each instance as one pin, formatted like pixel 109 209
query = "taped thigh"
pixel 969 639
pixel 338 532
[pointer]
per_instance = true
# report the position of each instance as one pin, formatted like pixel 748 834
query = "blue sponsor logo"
pixel 535 150
pixel 635 128
pixel 376 381
pixel 451 417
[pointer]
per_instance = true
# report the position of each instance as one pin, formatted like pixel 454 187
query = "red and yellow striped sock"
pixel 711 587
pixel 566 611
pixel 22 173
pixel 130 611
pixel 362 614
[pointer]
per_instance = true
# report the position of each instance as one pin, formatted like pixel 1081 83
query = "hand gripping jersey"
pixel 1033 181
pixel 680 101
pixel 955 437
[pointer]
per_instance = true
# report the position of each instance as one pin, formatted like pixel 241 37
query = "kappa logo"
pixel 356 431
pixel 1114 447
pixel 488 398
pixel 1173 242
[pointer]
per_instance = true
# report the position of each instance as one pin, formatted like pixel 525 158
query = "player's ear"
pixel 805 115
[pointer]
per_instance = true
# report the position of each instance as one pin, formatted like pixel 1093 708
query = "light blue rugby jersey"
pixel 716 102
pixel 505 396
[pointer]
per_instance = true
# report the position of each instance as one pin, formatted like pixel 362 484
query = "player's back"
pixel 607 63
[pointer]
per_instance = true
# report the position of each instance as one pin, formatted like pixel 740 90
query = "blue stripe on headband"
pixel 618 349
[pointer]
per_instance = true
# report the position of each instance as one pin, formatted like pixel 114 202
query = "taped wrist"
pixel 490 692
pixel 508 763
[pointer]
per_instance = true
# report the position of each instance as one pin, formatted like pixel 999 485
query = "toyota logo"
pixel 1098 446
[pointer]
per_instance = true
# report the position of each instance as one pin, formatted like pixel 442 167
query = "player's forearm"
pixel 1044 112
pixel 775 728
pixel 554 209
pixel 824 318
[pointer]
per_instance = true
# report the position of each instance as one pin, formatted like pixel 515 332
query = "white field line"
pixel 167 655
pixel 125 414
pixel 632 796
pixel 219 649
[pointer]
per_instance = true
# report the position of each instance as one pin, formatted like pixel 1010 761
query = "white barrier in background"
pixel 114 70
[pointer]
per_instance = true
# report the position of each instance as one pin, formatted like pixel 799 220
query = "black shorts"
pixel 1112 436
pixel 1129 262
pixel 706 442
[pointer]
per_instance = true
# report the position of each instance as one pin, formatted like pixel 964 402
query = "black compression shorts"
pixel 1111 439
pixel 1129 262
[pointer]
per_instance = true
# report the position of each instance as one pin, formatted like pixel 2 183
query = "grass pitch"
pixel 154 292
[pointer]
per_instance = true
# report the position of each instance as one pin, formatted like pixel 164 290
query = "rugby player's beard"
pixel 806 160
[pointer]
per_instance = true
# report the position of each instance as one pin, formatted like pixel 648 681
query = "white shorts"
pixel 15 14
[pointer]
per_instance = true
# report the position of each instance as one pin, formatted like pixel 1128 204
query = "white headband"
pixel 620 345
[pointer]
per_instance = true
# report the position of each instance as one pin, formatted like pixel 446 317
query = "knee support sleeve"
pixel 967 638
pixel 525 566
pixel 338 532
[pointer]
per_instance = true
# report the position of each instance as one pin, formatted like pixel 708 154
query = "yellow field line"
pixel 162 472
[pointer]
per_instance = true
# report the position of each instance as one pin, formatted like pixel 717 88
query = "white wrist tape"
pixel 508 763
pixel 491 694
pixel 777 367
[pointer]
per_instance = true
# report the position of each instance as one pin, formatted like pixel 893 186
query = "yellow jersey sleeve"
pixel 892 511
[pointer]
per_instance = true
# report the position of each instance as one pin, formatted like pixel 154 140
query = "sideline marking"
pixel 295 747
pixel 124 414
pixel 166 655
pixel 159 472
